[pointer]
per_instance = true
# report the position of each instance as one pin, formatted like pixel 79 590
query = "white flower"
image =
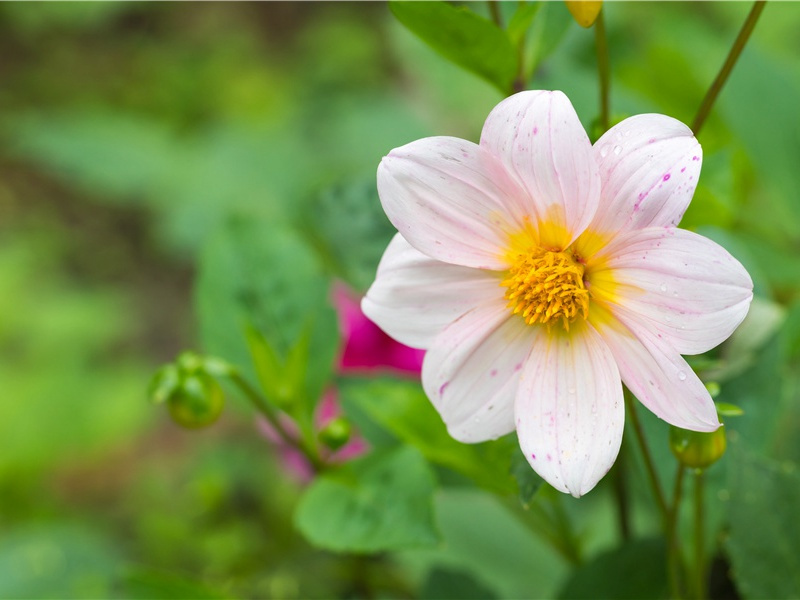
pixel 538 271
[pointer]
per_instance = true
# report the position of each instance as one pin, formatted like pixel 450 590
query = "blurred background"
pixel 130 133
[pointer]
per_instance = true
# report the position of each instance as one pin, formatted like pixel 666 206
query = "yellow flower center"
pixel 547 286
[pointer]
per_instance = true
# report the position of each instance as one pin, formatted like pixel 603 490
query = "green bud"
pixel 164 382
pixel 697 449
pixel 336 433
pixel 197 402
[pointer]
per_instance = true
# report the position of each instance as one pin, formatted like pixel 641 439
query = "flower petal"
pixel 569 409
pixel 659 377
pixel 649 166
pixel 539 138
pixel 471 372
pixel 414 297
pixel 451 200
pixel 690 289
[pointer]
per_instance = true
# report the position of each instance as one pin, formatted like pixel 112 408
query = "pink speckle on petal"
pixel 695 158
pixel 443 387
pixel 517 367
pixel 533 456
pixel 493 373
pixel 666 177
pixel 535 130
pixel 549 458
pixel 683 169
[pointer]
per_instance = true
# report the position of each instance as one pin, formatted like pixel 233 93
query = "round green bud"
pixel 336 433
pixel 197 402
pixel 697 449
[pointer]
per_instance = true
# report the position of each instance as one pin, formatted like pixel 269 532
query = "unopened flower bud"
pixel 336 433
pixel 197 402
pixel 697 449
pixel 584 11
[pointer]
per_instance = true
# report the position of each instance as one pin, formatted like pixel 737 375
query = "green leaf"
pixel 447 584
pixel 462 37
pixel 521 20
pixel 350 230
pixel 548 30
pixel 635 570
pixel 764 539
pixel 261 276
pixel 147 583
pixel 381 502
pixel 402 408
pixel 528 480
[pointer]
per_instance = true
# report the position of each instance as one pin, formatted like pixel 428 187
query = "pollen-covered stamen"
pixel 547 287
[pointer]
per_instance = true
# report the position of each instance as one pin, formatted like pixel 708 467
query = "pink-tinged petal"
pixel 649 166
pixel 472 371
pixel 414 297
pixel 659 377
pixel 451 200
pixel 569 409
pixel 540 140
pixel 688 288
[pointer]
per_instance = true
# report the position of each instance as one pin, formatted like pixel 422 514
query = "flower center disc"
pixel 545 287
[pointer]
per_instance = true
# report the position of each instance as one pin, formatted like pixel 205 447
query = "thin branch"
pixel 724 73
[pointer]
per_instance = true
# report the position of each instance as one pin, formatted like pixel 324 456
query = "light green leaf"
pixel 402 408
pixel 462 37
pixel 381 502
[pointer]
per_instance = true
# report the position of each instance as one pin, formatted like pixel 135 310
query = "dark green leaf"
pixel 462 37
pixel 258 275
pixel 381 502
pixel 446 584
pixel 764 540
pixel 635 570
pixel 350 230
pixel 528 481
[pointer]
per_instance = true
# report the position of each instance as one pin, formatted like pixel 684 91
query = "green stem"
pixel 271 414
pixel 494 10
pixel 620 481
pixel 603 69
pixel 647 457
pixel 674 562
pixel 727 67
pixel 699 535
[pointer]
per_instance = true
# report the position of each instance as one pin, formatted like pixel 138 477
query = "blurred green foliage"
pixel 145 145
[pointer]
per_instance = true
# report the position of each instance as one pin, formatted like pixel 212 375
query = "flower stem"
pixel 620 481
pixel 603 69
pixel 727 67
pixel 699 535
pixel 271 414
pixel 494 10
pixel 647 457
pixel 674 562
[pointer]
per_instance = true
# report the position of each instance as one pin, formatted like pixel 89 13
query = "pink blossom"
pixel 541 272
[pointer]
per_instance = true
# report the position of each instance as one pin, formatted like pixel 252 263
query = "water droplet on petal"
pixel 681 375
pixel 571 390
pixel 617 149
pixel 604 151
pixel 663 287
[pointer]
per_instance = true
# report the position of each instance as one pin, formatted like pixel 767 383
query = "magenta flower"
pixel 540 272
pixel 366 346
